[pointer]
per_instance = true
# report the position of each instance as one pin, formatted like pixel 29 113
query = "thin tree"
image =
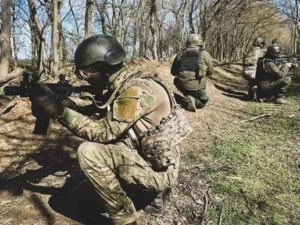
pixel 153 26
pixel 88 18
pixel 5 57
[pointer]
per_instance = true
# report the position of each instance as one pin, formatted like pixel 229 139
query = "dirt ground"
pixel 37 173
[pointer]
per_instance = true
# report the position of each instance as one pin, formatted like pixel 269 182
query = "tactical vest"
pixel 190 60
pixel 158 144
pixel 263 73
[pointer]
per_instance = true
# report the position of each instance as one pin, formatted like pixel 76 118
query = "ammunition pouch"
pixel 158 144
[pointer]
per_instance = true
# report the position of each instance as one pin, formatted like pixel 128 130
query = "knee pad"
pixel 287 81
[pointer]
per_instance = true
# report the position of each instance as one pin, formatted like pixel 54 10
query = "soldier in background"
pixel 256 51
pixel 272 81
pixel 275 41
pixel 135 144
pixel 191 68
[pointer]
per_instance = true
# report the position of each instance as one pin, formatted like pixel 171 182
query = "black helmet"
pixel 259 42
pixel 273 51
pixel 98 48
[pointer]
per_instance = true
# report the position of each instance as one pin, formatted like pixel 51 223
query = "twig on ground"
pixel 8 108
pixel 258 117
pixel 193 166
pixel 220 217
pixel 205 206
pixel 209 128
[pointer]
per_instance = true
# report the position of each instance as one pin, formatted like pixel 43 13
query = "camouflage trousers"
pixel 107 166
pixel 273 88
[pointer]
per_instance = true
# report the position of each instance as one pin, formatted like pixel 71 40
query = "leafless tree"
pixel 5 42
pixel 88 18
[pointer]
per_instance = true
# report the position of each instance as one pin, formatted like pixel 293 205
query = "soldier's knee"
pixel 88 150
pixel 287 81
pixel 201 103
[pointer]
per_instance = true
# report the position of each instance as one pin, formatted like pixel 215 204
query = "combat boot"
pixel 159 204
pixel 252 93
pixel 132 223
pixel 190 104
pixel 280 99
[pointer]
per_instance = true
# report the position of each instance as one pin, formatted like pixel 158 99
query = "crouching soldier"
pixel 191 68
pixel 250 63
pixel 136 143
pixel 272 81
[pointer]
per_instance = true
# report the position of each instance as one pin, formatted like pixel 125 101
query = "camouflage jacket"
pixel 267 70
pixel 250 59
pixel 190 80
pixel 139 103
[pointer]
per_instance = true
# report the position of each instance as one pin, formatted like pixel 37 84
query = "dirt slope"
pixel 37 173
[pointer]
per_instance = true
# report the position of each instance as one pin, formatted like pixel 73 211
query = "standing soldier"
pixel 250 63
pixel 135 144
pixel 190 68
pixel 272 81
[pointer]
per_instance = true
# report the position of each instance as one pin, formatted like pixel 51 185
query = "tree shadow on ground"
pixel 77 202
pixel 232 93
pixel 294 89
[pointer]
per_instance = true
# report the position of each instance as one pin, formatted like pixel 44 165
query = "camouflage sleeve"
pixel 176 65
pixel 275 71
pixel 208 61
pixel 249 59
pixel 132 104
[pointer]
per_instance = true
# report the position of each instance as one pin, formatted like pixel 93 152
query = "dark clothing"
pixel 200 95
pixel 190 68
pixel 271 80
pixel 192 78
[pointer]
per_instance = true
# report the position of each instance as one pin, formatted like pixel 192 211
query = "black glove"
pixel 46 104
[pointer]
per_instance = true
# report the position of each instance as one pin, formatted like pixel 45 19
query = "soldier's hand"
pixel 289 65
pixel 46 103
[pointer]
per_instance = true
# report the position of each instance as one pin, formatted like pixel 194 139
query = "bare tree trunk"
pixel 183 29
pixel 37 32
pixel 13 34
pixel 88 18
pixel 55 60
pixel 5 39
pixel 192 28
pixel 153 25
pixel 296 41
pixel 101 11
pixel 60 43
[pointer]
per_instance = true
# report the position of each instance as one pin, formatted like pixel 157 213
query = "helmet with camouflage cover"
pixel 273 51
pixel 194 40
pixel 259 42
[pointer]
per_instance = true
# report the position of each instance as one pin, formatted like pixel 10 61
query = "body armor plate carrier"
pixel 190 60
pixel 158 145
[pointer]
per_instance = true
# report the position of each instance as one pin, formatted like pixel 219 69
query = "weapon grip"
pixel 41 125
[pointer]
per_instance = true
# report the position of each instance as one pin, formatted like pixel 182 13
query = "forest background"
pixel 43 34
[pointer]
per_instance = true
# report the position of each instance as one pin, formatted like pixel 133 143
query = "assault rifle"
pixel 293 60
pixel 30 88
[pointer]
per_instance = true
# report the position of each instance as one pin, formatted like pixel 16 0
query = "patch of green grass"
pixel 254 171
